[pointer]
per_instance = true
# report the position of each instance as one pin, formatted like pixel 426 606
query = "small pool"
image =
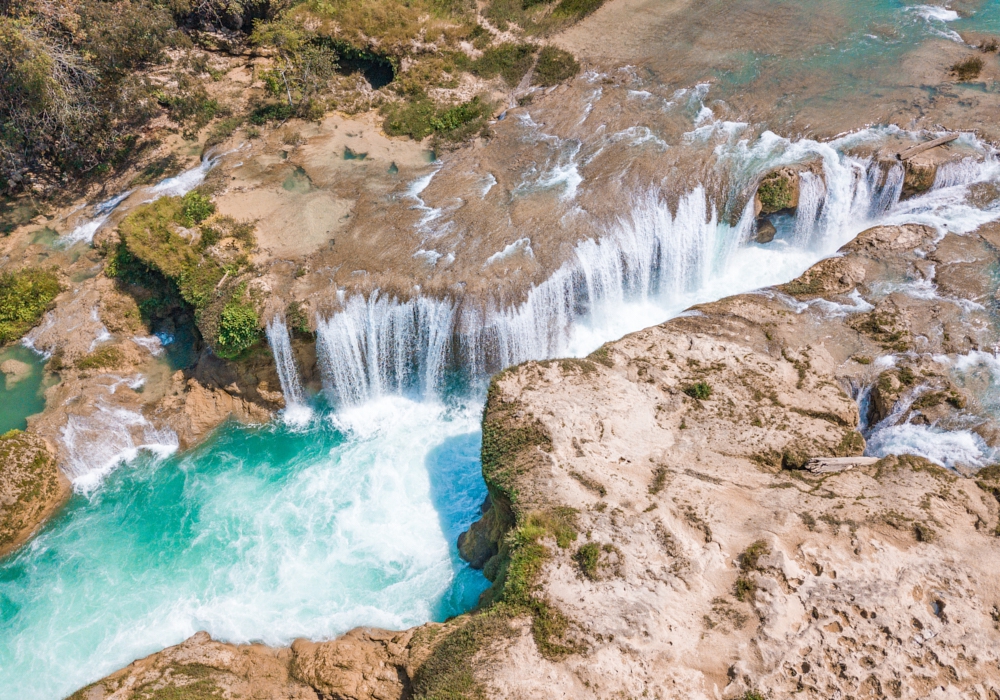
pixel 21 393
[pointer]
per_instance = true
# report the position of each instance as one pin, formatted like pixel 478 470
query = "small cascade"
pixel 99 442
pixel 377 346
pixel 296 409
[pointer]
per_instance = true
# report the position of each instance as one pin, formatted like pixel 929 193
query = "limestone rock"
pixel 31 487
pixel 765 231
pixel 14 371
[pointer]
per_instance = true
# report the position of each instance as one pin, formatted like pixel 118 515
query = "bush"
pixel 195 208
pixel 24 296
pixel 698 390
pixel 576 9
pixel 968 69
pixel 554 66
pixel 510 61
pixel 239 328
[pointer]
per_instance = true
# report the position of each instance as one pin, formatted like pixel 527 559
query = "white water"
pixel 85 232
pixel 297 411
pixel 176 186
pixel 98 443
pixel 652 263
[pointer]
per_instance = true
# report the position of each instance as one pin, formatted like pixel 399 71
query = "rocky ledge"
pixel 32 487
pixel 659 526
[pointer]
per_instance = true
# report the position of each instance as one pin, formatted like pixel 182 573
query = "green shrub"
pixel 239 328
pixel 775 193
pixel 24 296
pixel 576 9
pixel 554 66
pixel 588 557
pixel 413 119
pixel 195 208
pixel 510 61
pixel 421 118
pixel 270 112
pixel 698 390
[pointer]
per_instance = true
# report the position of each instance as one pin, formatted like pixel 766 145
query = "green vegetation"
pixel 968 69
pixel 554 66
pixel 107 357
pixel 698 390
pixel 239 327
pixel 602 356
pixel 195 208
pixel 24 296
pixel 588 557
pixel 168 275
pixel 746 585
pixel 422 118
pixel 510 61
pixel 776 193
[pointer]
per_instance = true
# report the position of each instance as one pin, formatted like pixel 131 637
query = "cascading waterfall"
pixel 654 257
pixel 297 410
pixel 378 345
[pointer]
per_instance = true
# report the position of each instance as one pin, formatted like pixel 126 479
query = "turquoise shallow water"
pixel 25 397
pixel 259 534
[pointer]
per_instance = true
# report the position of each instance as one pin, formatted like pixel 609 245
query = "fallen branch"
pixel 920 148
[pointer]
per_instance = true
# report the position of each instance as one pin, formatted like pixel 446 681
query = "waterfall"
pixel 378 345
pixel 652 260
pixel 296 409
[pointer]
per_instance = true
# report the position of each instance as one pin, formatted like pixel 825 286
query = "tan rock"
pixel 31 487
pixel 14 371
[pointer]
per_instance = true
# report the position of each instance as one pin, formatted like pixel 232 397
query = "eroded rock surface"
pixel 31 487
pixel 651 531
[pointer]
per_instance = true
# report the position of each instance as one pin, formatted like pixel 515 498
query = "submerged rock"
pixel 14 371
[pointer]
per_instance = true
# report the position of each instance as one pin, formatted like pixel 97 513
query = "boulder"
pixel 765 231
pixel 778 191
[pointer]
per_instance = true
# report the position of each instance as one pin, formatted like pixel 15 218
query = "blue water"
pixel 260 534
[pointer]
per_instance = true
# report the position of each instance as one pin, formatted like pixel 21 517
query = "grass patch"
pixel 510 61
pixel 587 558
pixel 108 357
pixel 575 9
pixel 602 355
pixel 421 118
pixel 25 295
pixel 554 66
pixel 775 193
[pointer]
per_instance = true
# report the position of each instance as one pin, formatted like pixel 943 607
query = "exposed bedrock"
pixel 651 529
pixel 31 487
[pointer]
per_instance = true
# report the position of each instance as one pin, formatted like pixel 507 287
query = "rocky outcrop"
pixel 777 192
pixel 651 530
pixel 31 487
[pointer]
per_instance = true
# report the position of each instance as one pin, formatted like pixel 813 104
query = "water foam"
pixel 96 444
